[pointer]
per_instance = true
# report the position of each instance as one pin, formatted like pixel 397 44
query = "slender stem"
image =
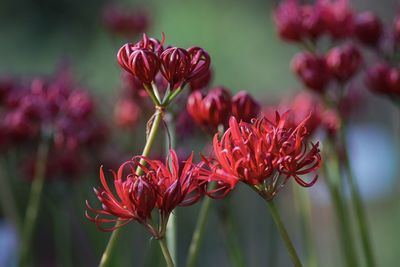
pixel 165 251
pixel 229 231
pixel 105 259
pixel 361 217
pixel 304 207
pixel 7 199
pixel 343 217
pixel 198 234
pixel 284 234
pixel 34 200
pixel 171 231
pixel 172 96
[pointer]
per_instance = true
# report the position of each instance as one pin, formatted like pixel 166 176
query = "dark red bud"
pixel 368 28
pixel 344 62
pixel 244 107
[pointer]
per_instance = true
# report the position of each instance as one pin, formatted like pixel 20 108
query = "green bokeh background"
pixel 36 35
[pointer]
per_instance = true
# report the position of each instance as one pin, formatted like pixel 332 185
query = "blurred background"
pixel 38 36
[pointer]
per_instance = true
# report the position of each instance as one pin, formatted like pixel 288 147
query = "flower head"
pixel 140 189
pixel 265 154
pixel 174 65
pixel 368 28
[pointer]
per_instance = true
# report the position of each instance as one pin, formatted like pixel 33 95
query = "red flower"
pixel 287 18
pixel 126 113
pixel 337 17
pixel 312 70
pixel 367 28
pixel 174 65
pixel 199 61
pixel 261 152
pixel 201 82
pixel 384 79
pixel 142 63
pixel 161 186
pixel 211 110
pixel 344 62
pixel 244 107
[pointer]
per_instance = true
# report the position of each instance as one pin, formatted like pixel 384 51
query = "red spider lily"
pixel 344 62
pixel 161 186
pixel 337 17
pixel 199 62
pixel 124 21
pixel 383 79
pixel 312 70
pixel 244 107
pixel 368 28
pixel 287 18
pixel 201 82
pixel 141 63
pixel 265 154
pixel 151 44
pixel 174 65
pixel 211 110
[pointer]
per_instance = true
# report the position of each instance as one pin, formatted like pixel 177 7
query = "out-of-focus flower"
pixel 211 110
pixel 265 154
pixel 368 28
pixel 337 17
pixel 396 28
pixel 184 124
pixel 312 70
pixel 296 22
pixel 127 22
pixel 201 82
pixel 312 22
pixel 161 186
pixel 287 18
pixel 344 62
pixel 383 79
pixel 126 113
pixel 244 107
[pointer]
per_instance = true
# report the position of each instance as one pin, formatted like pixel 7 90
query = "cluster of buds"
pixel 140 190
pixel 214 108
pixel 126 22
pixel 306 23
pixel 316 71
pixel 50 108
pixel 147 59
pixel 263 154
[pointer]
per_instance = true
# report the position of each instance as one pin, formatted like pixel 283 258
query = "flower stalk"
pixel 357 202
pixel 105 259
pixel 165 251
pixel 284 234
pixel 34 200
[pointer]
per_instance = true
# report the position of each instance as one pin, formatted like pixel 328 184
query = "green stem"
pixel 198 234
pixel 230 234
pixel 343 217
pixel 284 234
pixel 165 251
pixel 105 259
pixel 171 231
pixel 7 200
pixel 361 217
pixel 34 200
pixel 304 207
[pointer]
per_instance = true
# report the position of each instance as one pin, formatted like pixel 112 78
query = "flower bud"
pixel 344 62
pixel 244 107
pixel 337 17
pixel 211 110
pixel 202 81
pixel 312 71
pixel 174 65
pixel 287 19
pixel 126 113
pixel 199 61
pixel 367 28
